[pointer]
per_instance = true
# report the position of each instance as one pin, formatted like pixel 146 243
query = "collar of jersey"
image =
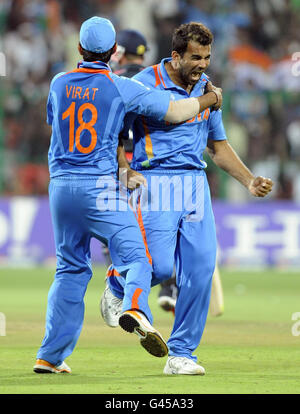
pixel 93 65
pixel 168 83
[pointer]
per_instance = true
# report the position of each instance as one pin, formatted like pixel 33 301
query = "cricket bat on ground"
pixel 216 307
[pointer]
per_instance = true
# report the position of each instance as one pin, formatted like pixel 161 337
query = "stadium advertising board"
pixel 254 234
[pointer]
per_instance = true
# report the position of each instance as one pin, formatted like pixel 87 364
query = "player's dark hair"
pixel 192 31
pixel 92 56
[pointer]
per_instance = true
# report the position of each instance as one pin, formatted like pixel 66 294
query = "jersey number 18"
pixel 74 136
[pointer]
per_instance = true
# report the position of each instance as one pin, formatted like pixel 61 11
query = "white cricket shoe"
pixel 135 322
pixel 111 308
pixel 44 367
pixel 182 365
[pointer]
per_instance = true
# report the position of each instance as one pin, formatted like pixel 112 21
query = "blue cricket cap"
pixel 97 34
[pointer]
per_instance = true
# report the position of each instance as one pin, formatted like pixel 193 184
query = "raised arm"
pixel 224 156
pixel 147 101
pixel 185 109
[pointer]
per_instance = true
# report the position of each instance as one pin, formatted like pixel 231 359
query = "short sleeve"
pixel 142 100
pixel 216 130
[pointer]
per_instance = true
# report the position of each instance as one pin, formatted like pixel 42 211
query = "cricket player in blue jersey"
pixel 175 207
pixel 86 108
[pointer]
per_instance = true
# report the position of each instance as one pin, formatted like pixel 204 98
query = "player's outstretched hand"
pixel 132 179
pixel 209 87
pixel 260 186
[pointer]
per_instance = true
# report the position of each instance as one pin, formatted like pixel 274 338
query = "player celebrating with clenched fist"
pixel 181 227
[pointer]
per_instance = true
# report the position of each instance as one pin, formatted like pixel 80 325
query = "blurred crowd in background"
pixel 252 60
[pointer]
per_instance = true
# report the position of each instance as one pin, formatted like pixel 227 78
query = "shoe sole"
pixel 152 341
pixel 39 370
pixel 42 369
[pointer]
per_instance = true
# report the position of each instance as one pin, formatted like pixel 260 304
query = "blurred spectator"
pixel 251 61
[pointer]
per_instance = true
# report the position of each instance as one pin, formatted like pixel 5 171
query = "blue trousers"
pixel 179 226
pixel 82 209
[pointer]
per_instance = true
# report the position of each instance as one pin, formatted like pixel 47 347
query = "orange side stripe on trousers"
pixel 135 297
pixel 142 228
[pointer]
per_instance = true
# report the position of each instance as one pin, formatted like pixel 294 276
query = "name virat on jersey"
pixel 77 92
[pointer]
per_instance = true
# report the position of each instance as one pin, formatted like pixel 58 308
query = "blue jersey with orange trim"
pixel 86 108
pixel 159 144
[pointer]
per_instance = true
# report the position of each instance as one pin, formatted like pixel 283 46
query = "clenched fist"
pixel 209 87
pixel 260 186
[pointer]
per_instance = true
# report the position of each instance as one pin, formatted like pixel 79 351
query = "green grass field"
pixel 248 350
